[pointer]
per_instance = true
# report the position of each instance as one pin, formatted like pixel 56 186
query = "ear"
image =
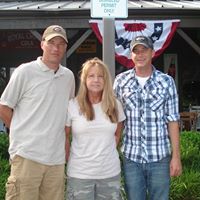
pixel 41 44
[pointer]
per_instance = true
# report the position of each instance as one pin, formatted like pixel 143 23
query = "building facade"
pixel 22 23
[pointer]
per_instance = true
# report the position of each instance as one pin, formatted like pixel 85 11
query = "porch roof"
pixel 37 14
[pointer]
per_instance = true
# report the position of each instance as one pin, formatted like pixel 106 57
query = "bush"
pixel 4 142
pixel 4 171
pixel 190 150
pixel 185 187
pixel 4 163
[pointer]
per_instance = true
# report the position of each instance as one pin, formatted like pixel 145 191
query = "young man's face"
pixel 142 56
pixel 53 50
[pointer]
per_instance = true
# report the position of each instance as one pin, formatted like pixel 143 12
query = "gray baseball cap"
pixel 143 40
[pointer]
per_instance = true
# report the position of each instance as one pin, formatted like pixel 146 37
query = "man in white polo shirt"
pixel 34 107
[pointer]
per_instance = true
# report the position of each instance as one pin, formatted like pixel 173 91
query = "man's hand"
pixel 175 167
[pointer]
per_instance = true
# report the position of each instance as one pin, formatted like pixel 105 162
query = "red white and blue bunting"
pixel 160 31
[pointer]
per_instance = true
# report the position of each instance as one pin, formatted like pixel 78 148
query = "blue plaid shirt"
pixel 148 111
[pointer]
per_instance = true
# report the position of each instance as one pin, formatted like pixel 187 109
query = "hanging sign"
pixel 109 8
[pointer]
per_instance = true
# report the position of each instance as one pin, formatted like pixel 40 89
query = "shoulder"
pixel 27 66
pixel 67 71
pixel 119 105
pixel 118 102
pixel 124 77
pixel 162 77
pixel 163 83
pixel 124 74
pixel 121 114
pixel 73 107
pixel 24 68
pixel 73 102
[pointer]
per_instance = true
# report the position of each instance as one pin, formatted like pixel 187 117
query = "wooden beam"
pixel 188 40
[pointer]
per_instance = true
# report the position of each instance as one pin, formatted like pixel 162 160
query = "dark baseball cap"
pixel 143 40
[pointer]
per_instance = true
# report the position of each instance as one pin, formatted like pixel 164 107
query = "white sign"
pixel 109 8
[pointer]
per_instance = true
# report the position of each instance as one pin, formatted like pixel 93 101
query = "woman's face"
pixel 95 80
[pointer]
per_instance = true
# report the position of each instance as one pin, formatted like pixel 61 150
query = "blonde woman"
pixel 95 120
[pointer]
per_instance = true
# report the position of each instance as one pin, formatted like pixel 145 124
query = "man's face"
pixel 53 50
pixel 142 56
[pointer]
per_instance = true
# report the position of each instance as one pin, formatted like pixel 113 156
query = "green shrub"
pixel 190 150
pixel 187 186
pixel 4 163
pixel 4 142
pixel 4 173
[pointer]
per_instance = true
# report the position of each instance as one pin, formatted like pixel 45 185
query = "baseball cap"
pixel 143 40
pixel 53 31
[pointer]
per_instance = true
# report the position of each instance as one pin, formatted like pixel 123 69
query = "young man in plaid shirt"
pixel 151 135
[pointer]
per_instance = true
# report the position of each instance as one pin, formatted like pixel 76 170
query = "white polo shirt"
pixel 93 153
pixel 39 98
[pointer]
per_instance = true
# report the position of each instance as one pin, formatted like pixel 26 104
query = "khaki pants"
pixel 30 180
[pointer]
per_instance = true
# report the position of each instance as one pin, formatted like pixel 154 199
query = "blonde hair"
pixel 108 100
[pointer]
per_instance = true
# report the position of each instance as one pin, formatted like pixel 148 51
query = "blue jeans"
pixel 147 180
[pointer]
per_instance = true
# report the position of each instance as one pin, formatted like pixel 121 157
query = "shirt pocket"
pixel 130 99
pixel 11 188
pixel 156 99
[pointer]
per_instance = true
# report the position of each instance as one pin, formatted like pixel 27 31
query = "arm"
pixel 6 114
pixel 175 164
pixel 67 143
pixel 72 93
pixel 118 132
